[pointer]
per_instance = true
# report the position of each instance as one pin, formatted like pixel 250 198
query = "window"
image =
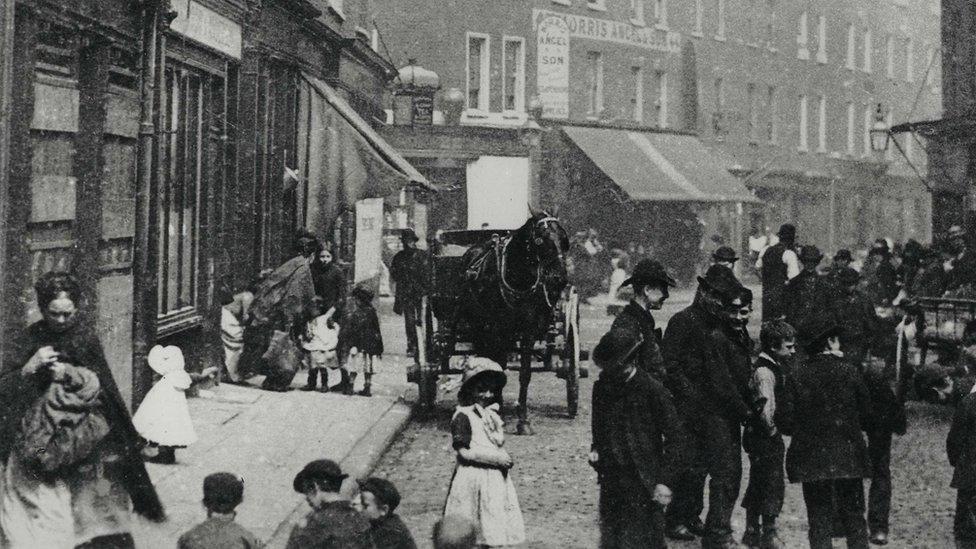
pixel 890 56
pixel 594 62
pixel 851 46
pixel 821 39
pixel 720 13
pixel 770 23
pixel 802 38
pixel 751 117
pixel 752 12
pixel 771 114
pixel 909 60
pixel 596 5
pixel 868 49
pixel 513 67
pixel 803 144
pixel 637 12
pixel 662 99
pixel 699 16
pixel 661 13
pixel 478 66
pixel 638 100
pixel 717 123
pixel 850 129
pixel 822 125
pixel 868 121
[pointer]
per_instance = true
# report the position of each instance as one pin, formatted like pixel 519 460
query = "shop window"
pixel 477 69
pixel 513 67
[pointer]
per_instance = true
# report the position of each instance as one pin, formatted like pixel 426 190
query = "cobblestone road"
pixel 558 490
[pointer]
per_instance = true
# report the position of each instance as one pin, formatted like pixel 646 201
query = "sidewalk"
pixel 266 438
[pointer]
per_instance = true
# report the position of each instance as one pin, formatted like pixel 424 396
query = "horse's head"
pixel 547 238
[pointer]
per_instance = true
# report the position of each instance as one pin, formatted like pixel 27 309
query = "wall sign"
pixel 553 66
pixel 618 32
pixel 423 110
pixel 202 24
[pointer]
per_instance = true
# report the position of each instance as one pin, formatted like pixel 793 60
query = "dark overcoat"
pixel 806 294
pixel 862 327
pixel 635 318
pixel 829 407
pixel 330 284
pixel 723 382
pixel 409 269
pixel 683 353
pixel 961 444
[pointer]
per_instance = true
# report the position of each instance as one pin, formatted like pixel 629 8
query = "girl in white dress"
pixel 163 418
pixel 482 489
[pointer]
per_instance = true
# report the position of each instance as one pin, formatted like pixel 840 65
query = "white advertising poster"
pixel 553 66
pixel 369 239
pixel 498 192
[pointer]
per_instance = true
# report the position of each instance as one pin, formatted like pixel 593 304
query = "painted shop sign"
pixel 202 24
pixel 553 67
pixel 617 32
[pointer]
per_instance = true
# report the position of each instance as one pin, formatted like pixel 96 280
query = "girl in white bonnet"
pixel 163 418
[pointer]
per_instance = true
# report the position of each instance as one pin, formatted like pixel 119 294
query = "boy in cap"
pixel 333 522
pixel 379 499
pixel 635 451
pixel 222 493
pixel 650 282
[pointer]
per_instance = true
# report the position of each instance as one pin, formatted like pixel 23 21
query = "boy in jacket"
pixel 961 450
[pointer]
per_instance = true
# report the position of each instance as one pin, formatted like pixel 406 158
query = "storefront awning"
pixel 660 167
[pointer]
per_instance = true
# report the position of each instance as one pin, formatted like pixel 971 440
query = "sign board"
pixel 423 110
pixel 201 24
pixel 369 240
pixel 552 82
pixel 618 32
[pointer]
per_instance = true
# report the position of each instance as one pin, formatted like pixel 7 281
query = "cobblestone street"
pixel 558 491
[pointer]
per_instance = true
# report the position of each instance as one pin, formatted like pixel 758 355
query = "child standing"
pixel 163 418
pixel 762 439
pixel 361 338
pixel 333 521
pixel 482 488
pixel 222 493
pixel 379 499
pixel 320 340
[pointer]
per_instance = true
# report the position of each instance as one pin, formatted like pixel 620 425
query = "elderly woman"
pixel 86 500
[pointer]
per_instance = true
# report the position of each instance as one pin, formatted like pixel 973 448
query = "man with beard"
pixel 777 266
pixel 708 369
pixel 650 282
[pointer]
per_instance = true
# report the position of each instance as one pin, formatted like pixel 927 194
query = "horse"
pixel 507 295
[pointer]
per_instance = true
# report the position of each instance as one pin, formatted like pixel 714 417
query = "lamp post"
pixel 880 133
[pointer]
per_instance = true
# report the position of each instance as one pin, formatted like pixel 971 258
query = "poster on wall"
pixel 369 241
pixel 553 66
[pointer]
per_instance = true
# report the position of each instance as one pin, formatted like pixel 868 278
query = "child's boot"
pixel 367 383
pixel 344 386
pixel 313 374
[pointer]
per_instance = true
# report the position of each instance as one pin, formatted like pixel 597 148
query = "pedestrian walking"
pixel 319 337
pixel 961 451
pixel 636 445
pixel 650 282
pixel 762 439
pixel 222 493
pixel 828 406
pixel 361 340
pixel 482 488
pixel 409 272
pixel 685 362
pixel 333 523
pixel 379 499
pixel 808 292
pixel 888 419
pixel 163 417
pixel 777 265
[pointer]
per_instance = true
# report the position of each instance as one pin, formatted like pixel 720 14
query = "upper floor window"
pixel 851 46
pixel 637 12
pixel 822 125
pixel 513 68
pixel 597 5
pixel 803 137
pixel 720 15
pixel 699 16
pixel 868 50
pixel 771 114
pixel 478 71
pixel 752 13
pixel 637 73
pixel 821 39
pixel 661 105
pixel 770 23
pixel 594 61
pixel 717 123
pixel 890 56
pixel 661 13
pixel 868 122
pixel 802 38
pixel 851 140
pixel 752 116
pixel 909 60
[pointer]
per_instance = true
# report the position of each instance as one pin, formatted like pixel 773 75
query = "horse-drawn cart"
pixel 446 331
pixel 942 322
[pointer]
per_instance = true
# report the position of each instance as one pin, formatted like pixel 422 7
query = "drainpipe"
pixel 6 69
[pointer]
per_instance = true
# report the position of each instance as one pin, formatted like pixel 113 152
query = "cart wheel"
pixel 426 357
pixel 571 353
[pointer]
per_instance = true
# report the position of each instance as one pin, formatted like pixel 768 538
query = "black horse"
pixel 507 295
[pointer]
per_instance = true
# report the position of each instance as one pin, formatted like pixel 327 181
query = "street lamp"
pixel 880 133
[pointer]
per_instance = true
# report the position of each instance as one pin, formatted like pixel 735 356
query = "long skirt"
pixel 487 497
pixel 34 513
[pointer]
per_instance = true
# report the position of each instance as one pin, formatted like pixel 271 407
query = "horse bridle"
pixel 506 288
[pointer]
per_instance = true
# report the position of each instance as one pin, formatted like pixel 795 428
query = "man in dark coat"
pixel 828 406
pixel 880 275
pixel 636 447
pixel 777 266
pixel 962 271
pixel 806 293
pixel 726 257
pixel 650 282
pixel 888 419
pixel 856 315
pixel 409 271
pixel 684 357
pixel 961 450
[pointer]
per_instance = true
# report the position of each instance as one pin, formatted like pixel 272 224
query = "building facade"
pixel 783 92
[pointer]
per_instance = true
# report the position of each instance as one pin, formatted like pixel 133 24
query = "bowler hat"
pixel 848 276
pixel 719 278
pixel 408 235
pixel 648 271
pixel 478 368
pixel 384 491
pixel 615 347
pixel 843 255
pixel 810 253
pixel 787 231
pixel 725 253
pixel 222 492
pixel 320 469
pixel 816 328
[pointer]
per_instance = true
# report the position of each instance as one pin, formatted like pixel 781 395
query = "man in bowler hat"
pixel 808 292
pixel 778 264
pixel 636 445
pixel 725 256
pixel 827 408
pixel 650 282
pixel 409 272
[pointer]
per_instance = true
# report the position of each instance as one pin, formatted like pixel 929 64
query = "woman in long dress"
pixel 88 505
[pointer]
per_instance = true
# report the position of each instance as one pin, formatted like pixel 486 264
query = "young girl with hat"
pixel 482 488
pixel 163 418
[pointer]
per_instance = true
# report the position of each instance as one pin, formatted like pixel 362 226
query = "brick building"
pixel 780 93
